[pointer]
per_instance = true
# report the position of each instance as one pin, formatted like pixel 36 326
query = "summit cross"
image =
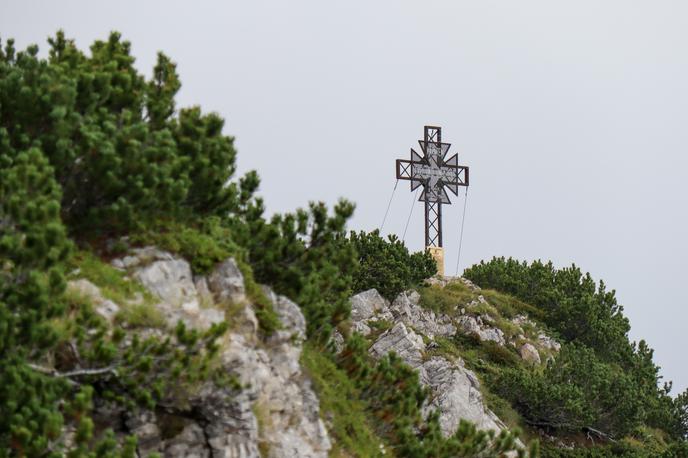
pixel 435 174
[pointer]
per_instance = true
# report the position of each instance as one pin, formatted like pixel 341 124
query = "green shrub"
pixel 575 391
pixel 33 246
pixel 583 312
pixel 204 244
pixel 305 256
pixel 120 152
pixel 387 265
pixel 572 303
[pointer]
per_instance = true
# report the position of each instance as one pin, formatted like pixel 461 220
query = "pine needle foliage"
pixel 387 265
pixel 601 379
pixel 122 153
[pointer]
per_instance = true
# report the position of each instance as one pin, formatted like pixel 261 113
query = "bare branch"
pixel 75 373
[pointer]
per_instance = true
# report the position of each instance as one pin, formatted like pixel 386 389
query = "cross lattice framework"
pixel 435 174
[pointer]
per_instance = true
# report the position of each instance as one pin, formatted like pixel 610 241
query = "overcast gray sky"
pixel 571 115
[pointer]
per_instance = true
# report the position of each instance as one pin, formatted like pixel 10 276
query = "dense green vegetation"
pixel 96 159
pixel 601 383
pixel 90 150
pixel 95 155
pixel 387 266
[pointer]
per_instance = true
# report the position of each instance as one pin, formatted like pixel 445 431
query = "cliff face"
pixel 455 390
pixel 276 412
pixel 415 333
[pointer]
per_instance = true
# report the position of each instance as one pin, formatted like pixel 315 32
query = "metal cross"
pixel 435 174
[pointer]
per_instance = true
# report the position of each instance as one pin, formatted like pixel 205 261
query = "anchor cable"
pixel 463 220
pixel 403 237
pixel 389 205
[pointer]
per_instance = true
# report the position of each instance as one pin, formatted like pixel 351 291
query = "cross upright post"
pixel 434 173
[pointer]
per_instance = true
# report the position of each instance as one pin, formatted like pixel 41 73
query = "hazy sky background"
pixel 571 115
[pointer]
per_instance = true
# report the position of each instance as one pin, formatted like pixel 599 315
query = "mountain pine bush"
pixel 600 380
pixel 120 152
pixel 387 265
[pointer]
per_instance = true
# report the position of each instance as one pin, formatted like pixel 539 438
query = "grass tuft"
pixel 445 300
pixel 113 283
pixel 144 315
pixel 340 407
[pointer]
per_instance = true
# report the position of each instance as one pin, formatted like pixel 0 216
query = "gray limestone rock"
pixel 520 320
pixel 548 342
pixel 337 341
pixel 472 325
pixel 290 315
pixel 276 390
pixel 364 305
pixel 104 307
pixel 492 334
pixel 190 443
pixel 276 407
pixel 138 257
pixel 404 342
pixel 168 279
pixel 472 286
pixel 276 410
pixel 406 308
pixel 143 424
pixel 469 324
pixel 360 327
pixel 227 282
pixel 456 395
pixel 203 291
pixel 455 391
pixel 529 353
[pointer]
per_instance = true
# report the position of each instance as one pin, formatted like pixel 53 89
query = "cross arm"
pixel 457 177
pixel 404 169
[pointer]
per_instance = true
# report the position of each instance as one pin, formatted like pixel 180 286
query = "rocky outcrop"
pixel 475 326
pixel 456 395
pixel 454 390
pixel 277 410
pixel 227 283
pixel 275 414
pixel 549 343
pixel 406 308
pixel 529 353
pixel 541 340
pixel 404 342
pixel 367 305
pixel 103 307
pixel 170 281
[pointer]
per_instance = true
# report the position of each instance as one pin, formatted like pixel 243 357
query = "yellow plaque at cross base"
pixel 437 253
